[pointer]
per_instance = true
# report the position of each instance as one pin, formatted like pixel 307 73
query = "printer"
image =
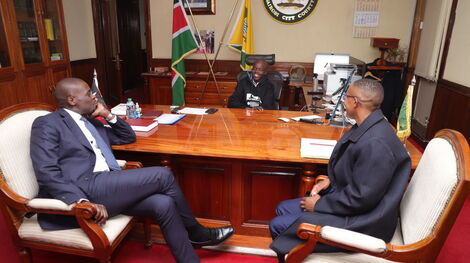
pixel 336 76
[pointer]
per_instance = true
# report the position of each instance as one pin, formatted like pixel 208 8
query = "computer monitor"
pixel 322 60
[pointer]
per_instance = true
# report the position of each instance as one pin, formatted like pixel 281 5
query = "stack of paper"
pixel 170 118
pixel 308 117
pixel 119 109
pixel 316 148
pixel 197 111
pixel 142 124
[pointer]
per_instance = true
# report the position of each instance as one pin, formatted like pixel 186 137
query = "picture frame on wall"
pixel 200 7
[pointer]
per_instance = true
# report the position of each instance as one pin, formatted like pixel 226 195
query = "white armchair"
pixel 18 187
pixel 430 205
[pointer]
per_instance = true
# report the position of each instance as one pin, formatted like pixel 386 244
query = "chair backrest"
pixel 276 80
pixel 269 58
pixel 15 134
pixel 437 189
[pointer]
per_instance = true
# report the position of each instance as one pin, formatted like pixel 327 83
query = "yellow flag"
pixel 241 38
pixel 404 118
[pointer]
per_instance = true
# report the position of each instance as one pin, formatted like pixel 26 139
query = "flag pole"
pixel 211 71
pixel 220 44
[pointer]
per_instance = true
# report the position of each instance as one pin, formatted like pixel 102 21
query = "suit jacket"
pixel 369 170
pixel 63 158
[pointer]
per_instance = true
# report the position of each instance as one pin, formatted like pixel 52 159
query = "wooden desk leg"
pixel 291 97
pixel 166 162
pixel 308 179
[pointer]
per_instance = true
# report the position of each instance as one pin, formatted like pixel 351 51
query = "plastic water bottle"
pixel 130 109
pixel 138 111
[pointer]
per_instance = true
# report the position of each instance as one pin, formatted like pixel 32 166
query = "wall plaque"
pixel 290 11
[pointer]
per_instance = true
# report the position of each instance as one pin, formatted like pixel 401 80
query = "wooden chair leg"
pixel 25 255
pixel 148 233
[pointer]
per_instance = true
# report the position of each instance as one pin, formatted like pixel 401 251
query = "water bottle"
pixel 130 109
pixel 138 111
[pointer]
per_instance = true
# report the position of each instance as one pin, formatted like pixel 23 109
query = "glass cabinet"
pixel 4 54
pixel 33 50
pixel 28 31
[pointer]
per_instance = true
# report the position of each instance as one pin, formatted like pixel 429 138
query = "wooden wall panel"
pixel 451 108
pixel 83 69
pixel 8 89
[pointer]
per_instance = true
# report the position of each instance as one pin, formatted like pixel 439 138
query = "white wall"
pixel 328 29
pixel 78 17
pixel 458 58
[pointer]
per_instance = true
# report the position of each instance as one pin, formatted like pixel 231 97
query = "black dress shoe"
pixel 216 236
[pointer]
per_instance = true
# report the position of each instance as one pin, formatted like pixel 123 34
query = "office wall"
pixel 328 29
pixel 79 25
pixel 458 59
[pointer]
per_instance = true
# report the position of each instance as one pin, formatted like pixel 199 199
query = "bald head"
pixel 67 87
pixel 370 93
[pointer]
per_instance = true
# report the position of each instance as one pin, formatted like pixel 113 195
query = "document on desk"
pixel 197 111
pixel 169 118
pixel 308 117
pixel 316 148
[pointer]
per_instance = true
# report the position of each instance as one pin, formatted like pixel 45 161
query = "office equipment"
pixel 211 110
pixel 336 76
pixel 170 118
pixel 316 148
pixel 322 60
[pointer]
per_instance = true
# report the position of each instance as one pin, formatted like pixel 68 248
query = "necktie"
pixel 104 147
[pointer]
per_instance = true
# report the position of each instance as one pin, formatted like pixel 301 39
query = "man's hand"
pixel 101 111
pixel 321 185
pixel 101 214
pixel 308 203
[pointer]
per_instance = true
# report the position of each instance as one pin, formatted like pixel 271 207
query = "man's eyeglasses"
pixel 353 97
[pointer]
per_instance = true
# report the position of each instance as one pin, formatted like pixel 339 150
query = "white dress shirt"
pixel 100 164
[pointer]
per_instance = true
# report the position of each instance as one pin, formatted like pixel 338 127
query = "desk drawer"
pixel 198 86
pixel 209 98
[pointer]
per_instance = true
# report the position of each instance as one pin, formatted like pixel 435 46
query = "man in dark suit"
pixel 73 162
pixel 254 91
pixel 367 175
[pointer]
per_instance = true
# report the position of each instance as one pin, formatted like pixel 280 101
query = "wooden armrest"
pixel 313 234
pixel 133 165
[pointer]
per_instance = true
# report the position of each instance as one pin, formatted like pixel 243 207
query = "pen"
pixel 321 144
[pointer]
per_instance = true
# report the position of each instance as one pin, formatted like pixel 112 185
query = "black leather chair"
pixel 273 76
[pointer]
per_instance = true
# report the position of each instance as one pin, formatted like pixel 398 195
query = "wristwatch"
pixel 110 117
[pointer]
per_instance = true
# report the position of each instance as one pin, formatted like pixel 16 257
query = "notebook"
pixel 143 125
pixel 316 148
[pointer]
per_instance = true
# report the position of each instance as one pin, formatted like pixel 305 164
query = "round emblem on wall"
pixel 290 11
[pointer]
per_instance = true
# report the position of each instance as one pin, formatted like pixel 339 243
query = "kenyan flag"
pixel 183 44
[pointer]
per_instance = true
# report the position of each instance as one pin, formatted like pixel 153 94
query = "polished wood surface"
pixel 239 134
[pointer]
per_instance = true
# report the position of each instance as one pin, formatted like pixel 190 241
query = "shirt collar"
pixel 371 120
pixel 75 116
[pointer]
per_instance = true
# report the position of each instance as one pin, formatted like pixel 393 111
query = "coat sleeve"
pixel 118 133
pixel 238 98
pixel 268 100
pixel 373 168
pixel 44 151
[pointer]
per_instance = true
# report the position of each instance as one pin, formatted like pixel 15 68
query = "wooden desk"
pixel 235 165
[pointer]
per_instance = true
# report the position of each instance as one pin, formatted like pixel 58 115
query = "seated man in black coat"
pixel 367 175
pixel 254 91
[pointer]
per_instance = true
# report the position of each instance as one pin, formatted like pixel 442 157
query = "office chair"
pixel 274 77
pixel 429 207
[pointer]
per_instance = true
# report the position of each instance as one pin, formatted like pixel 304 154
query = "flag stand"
pixel 218 48
pixel 211 71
